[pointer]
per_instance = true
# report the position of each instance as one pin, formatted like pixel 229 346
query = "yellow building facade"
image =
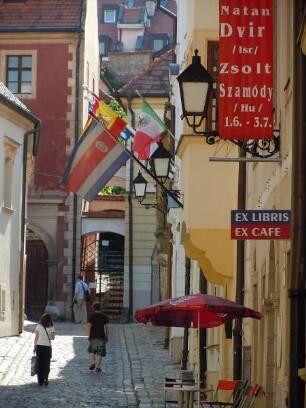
pixel 210 191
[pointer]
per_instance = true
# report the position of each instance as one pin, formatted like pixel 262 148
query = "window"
pixel 2 301
pixel 159 41
pixel 19 70
pixel 102 48
pixel 19 74
pixel 213 69
pixel 104 42
pixel 158 44
pixel 109 16
pixel 10 150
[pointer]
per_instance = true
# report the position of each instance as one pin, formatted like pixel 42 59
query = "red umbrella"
pixel 198 310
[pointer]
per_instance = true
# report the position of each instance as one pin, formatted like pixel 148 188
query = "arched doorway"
pixel 36 276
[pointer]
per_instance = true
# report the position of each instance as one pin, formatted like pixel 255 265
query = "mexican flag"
pixel 149 130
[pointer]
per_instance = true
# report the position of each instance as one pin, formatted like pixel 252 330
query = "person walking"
pixel 44 333
pixel 79 303
pixel 98 332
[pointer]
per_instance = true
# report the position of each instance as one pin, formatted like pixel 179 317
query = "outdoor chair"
pixel 249 396
pixel 239 392
pixel 227 388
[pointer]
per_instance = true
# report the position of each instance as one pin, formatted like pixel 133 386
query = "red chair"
pixel 227 388
pixel 250 396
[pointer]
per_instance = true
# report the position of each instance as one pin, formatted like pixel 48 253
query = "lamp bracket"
pixel 158 207
pixel 172 193
pixel 260 148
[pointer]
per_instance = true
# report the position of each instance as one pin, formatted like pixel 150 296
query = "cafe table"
pixel 185 392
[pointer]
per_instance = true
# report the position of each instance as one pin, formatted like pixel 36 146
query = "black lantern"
pixel 160 163
pixel 140 187
pixel 195 84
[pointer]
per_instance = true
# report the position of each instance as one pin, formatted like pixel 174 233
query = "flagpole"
pixel 132 156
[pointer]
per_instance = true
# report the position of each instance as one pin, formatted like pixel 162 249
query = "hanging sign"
pixel 260 224
pixel 246 69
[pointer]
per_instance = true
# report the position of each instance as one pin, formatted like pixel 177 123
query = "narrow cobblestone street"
pixel 132 371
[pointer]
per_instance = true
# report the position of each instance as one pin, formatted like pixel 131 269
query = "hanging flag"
pixel 147 152
pixel 95 159
pixel 92 110
pixel 149 130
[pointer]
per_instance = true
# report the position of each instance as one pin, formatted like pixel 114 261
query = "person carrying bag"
pixel 44 333
pixel 81 293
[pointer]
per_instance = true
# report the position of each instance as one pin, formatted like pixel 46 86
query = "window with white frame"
pixel 19 69
pixel 19 74
pixel 109 16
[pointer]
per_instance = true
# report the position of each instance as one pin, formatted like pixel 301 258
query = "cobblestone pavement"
pixel 132 371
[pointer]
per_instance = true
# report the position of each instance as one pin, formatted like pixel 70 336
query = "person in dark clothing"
pixel 44 333
pixel 97 331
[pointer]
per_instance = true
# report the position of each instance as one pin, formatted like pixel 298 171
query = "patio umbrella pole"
pixel 199 355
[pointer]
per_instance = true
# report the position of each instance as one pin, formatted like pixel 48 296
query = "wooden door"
pixel 36 295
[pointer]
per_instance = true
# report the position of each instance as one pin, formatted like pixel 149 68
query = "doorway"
pixel 36 296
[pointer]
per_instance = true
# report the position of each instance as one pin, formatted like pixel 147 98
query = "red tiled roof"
pixel 41 15
pixel 131 15
pixel 153 80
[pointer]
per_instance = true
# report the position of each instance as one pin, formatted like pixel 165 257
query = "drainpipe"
pixel 237 331
pixel 187 292
pixel 131 229
pixel 75 198
pixel 169 281
pixel 296 290
pixel 35 132
pixel 174 24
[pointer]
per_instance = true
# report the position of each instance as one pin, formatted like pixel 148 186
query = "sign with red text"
pixel 260 224
pixel 246 69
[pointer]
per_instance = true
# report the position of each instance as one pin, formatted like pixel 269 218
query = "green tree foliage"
pixel 116 107
pixel 112 191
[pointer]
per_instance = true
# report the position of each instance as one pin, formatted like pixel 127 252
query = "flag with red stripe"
pixel 149 130
pixel 95 159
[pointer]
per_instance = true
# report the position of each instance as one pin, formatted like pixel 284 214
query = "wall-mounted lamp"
pixel 150 7
pixel 160 163
pixel 195 84
pixel 140 187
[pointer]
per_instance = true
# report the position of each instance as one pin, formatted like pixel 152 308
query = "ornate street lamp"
pixel 160 162
pixel 195 84
pixel 140 187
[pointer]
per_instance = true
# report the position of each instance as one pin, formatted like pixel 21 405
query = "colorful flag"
pixel 96 157
pixel 147 152
pixel 149 130
pixel 92 110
